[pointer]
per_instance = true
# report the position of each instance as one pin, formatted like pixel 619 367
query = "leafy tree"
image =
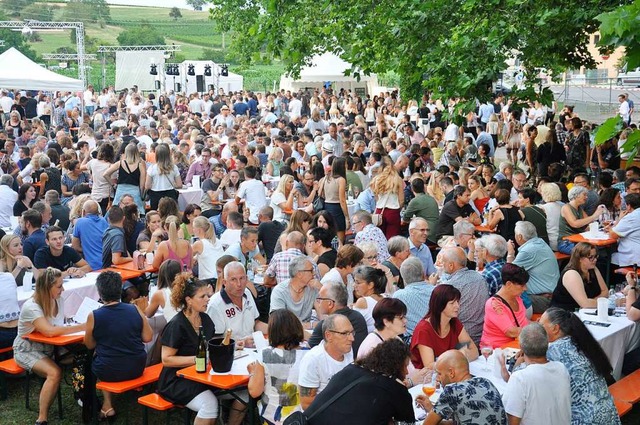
pixel 140 35
pixel 175 13
pixel 196 4
pixel 15 39
pixel 457 48
pixel 620 28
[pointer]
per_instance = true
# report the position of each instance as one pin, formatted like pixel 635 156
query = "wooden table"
pixel 125 274
pixel 484 229
pixel 228 383
pixel 600 243
pixel 148 268
pixel 59 341
pixel 624 270
pixel 130 270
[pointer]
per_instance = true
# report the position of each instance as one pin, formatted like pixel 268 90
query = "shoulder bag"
pixel 318 202
pixel 299 418
pixel 378 219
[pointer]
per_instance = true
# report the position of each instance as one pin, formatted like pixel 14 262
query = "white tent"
pixel 20 72
pixel 329 68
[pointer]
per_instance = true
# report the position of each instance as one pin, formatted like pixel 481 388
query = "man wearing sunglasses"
pixel 332 299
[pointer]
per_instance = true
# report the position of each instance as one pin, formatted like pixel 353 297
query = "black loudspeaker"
pixel 200 83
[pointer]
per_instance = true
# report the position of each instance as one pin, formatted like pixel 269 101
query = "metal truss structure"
pixel 67 56
pixel 166 48
pixel 32 25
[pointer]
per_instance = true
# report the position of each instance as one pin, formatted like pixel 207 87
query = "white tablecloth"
pixel 615 340
pixel 476 368
pixel 74 292
pixel 188 196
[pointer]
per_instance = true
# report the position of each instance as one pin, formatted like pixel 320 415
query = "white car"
pixel 631 78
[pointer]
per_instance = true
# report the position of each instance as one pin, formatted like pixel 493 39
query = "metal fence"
pixel 595 99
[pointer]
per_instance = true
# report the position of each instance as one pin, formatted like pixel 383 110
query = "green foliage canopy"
pixel 175 13
pixel 455 47
pixel 140 35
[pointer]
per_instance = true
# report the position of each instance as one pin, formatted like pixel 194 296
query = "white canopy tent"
pixel 20 72
pixel 329 68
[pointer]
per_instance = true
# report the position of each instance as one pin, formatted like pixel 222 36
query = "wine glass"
pixel 486 351
pixel 429 383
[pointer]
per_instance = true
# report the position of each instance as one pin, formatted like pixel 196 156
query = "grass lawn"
pixel 14 412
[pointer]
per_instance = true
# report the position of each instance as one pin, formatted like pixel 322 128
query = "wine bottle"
pixel 201 354
pixel 350 194
pixel 227 337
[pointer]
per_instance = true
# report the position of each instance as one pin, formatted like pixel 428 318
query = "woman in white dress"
pixel 370 285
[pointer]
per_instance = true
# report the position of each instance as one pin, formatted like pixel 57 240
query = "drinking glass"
pixel 429 383
pixel 486 351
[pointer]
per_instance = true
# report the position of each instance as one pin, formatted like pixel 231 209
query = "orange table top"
pixel 485 229
pixel 130 266
pixel 577 238
pixel 60 340
pixel 125 274
pixel 225 382
pixel 624 270
pixel 513 344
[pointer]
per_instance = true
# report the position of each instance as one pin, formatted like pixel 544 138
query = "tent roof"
pixel 327 67
pixel 20 72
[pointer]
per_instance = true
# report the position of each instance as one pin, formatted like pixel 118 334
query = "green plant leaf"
pixel 609 129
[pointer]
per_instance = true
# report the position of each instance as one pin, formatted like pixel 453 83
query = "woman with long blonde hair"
pixel 12 261
pixel 43 313
pixel 163 177
pixel 282 198
pixel 275 162
pixel 300 222
pixel 388 188
pixel 207 249
pixel 132 174
pixel 175 248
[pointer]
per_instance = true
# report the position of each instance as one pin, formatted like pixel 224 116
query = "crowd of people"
pixel 342 223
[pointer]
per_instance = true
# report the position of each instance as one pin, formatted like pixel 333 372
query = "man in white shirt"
pixel 325 360
pixel 141 136
pixel 234 307
pixel 624 109
pixel 8 197
pixel 231 235
pixel 196 104
pixel 295 107
pixel 252 192
pixel 539 394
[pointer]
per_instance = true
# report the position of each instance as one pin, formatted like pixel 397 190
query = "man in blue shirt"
pixel 537 258
pixel 36 240
pixel 418 232
pixel 87 234
pixel 415 294
pixel 366 201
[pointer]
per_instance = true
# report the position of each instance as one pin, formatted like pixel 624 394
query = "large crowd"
pixel 373 230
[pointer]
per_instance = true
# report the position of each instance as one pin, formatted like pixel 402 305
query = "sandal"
pixel 105 416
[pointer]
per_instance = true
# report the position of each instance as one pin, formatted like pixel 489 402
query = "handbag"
pixel 299 418
pixel 377 219
pixel 318 202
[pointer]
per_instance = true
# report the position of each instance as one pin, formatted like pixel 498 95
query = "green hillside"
pixel 194 32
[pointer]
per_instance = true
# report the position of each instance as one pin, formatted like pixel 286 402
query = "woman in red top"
pixel 440 330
